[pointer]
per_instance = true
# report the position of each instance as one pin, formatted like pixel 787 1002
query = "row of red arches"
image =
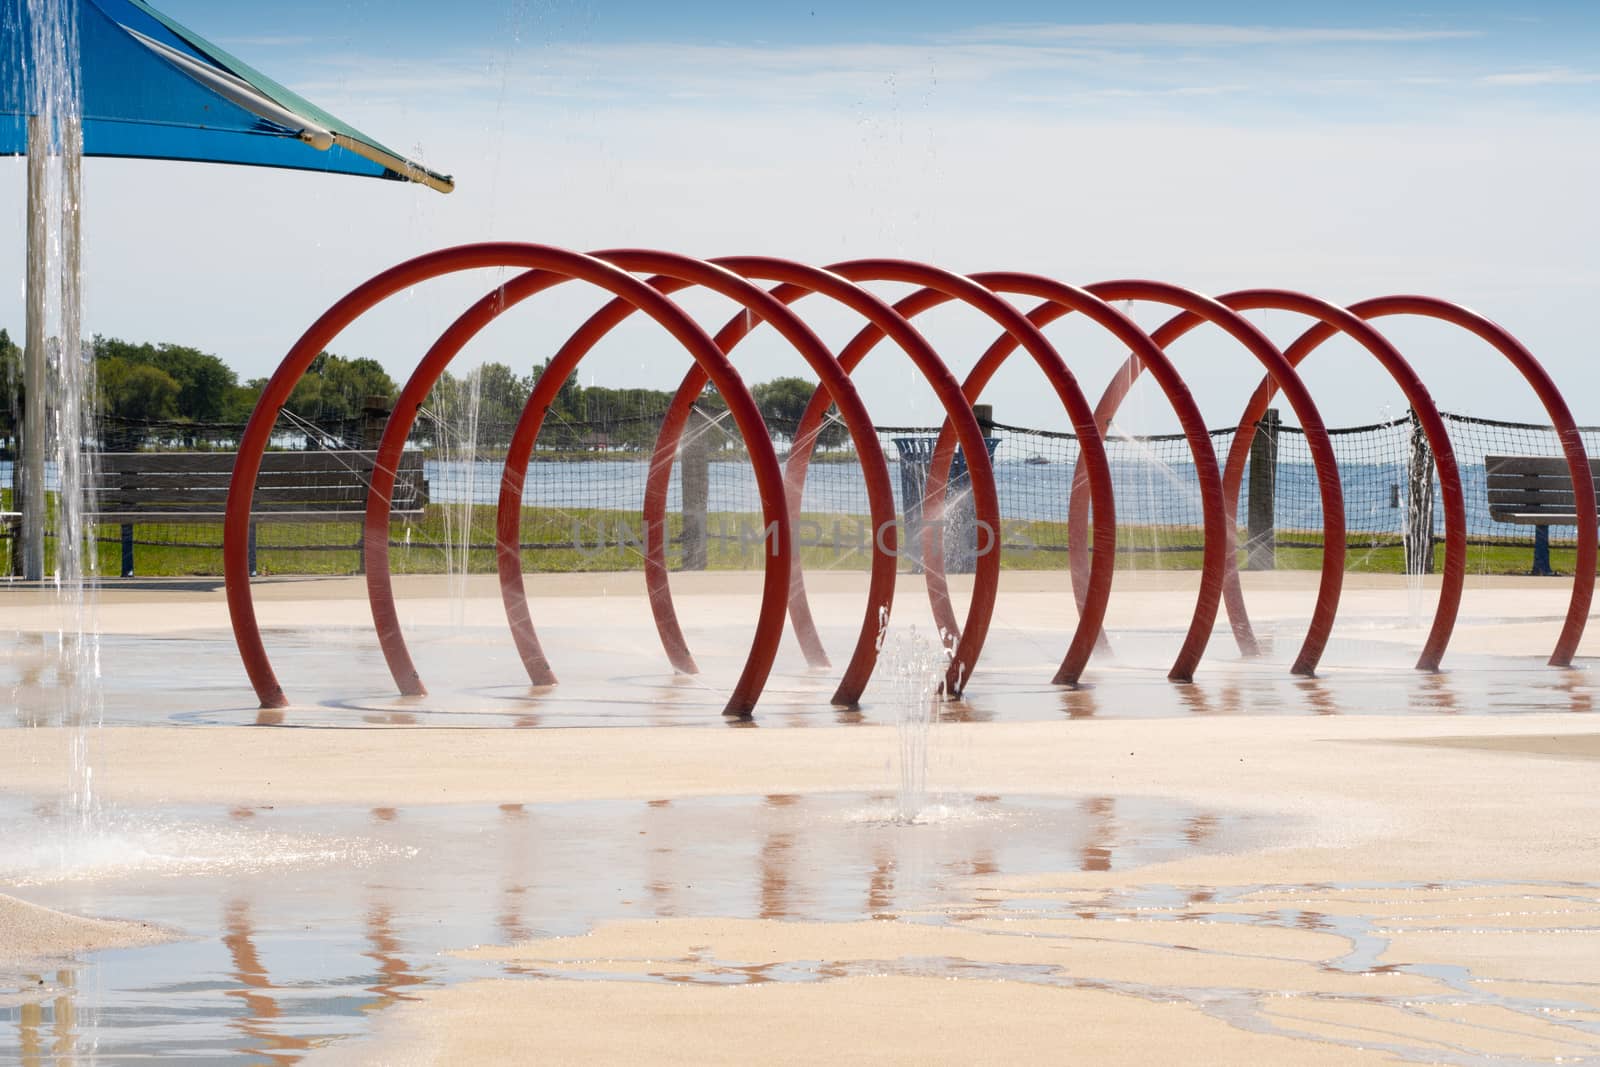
pixel 742 279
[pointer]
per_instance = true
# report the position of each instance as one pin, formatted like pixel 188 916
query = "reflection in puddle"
pixel 1357 678
pixel 307 922
pixel 286 956
pixel 258 1024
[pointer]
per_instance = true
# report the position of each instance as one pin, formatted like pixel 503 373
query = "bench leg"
pixel 127 550
pixel 1541 552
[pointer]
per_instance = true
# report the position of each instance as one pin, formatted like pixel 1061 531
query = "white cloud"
pixel 1550 76
pixel 1491 215
pixel 1178 91
pixel 987 64
pixel 1206 35
pixel 919 149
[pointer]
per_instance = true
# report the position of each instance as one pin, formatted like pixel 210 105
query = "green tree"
pixel 783 400
pixel 501 397
pixel 203 380
pixel 136 395
pixel 241 400
pixel 565 425
pixel 335 389
pixel 10 386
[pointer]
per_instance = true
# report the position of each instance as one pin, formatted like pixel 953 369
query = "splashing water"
pixel 915 668
pixel 63 373
pixel 467 446
pixel 455 405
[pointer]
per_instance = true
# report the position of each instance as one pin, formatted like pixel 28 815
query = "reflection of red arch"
pixel 253 442
pixel 1555 405
pixel 795 281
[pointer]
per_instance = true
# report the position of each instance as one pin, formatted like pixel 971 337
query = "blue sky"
pixel 1350 151
pixel 1242 55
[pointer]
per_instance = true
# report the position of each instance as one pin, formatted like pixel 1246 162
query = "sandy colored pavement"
pixel 31 935
pixel 1059 969
pixel 1403 848
pixel 1499 613
pixel 882 1020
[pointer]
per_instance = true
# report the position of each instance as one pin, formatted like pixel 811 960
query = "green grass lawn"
pixel 609 541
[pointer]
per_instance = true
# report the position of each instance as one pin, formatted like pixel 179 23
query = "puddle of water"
pixel 305 923
pixel 1573 909
pixel 478 691
pixel 1454 1016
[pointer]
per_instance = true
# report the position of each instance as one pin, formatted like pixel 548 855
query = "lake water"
pixel 1147 492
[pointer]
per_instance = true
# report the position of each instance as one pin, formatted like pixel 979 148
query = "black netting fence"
pixel 582 497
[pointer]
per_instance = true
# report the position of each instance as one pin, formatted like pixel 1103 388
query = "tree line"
pixel 170 395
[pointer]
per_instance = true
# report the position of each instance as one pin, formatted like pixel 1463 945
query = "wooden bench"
pixel 1534 491
pixel 321 485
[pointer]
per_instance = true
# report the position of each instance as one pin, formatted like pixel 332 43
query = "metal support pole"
pixel 1419 503
pixel 696 460
pixel 34 375
pixel 1541 553
pixel 1261 534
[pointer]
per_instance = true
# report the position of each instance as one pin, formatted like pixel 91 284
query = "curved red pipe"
pixel 396 430
pixel 376 546
pixel 1334 319
pixel 685 272
pixel 795 281
pixel 258 431
pixel 1194 310
pixel 939 287
pixel 1217 517
pixel 1555 406
pixel 553 265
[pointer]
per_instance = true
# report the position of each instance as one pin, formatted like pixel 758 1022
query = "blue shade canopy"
pixel 154 89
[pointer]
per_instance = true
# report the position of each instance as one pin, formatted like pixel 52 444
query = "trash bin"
pixel 960 516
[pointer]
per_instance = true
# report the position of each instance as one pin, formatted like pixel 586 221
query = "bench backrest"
pixel 311 486
pixel 1524 489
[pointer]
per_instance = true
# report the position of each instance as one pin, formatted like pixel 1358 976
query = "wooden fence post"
pixel 1261 535
pixel 375 411
pixel 695 455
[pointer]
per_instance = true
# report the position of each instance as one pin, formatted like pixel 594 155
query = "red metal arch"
pixel 258 431
pixel 947 286
pixel 780 492
pixel 379 585
pixel 1339 320
pixel 1194 310
pixel 686 272
pixel 1560 416
pixel 1218 513
pixel 939 287
pixel 1066 299
pixel 796 281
